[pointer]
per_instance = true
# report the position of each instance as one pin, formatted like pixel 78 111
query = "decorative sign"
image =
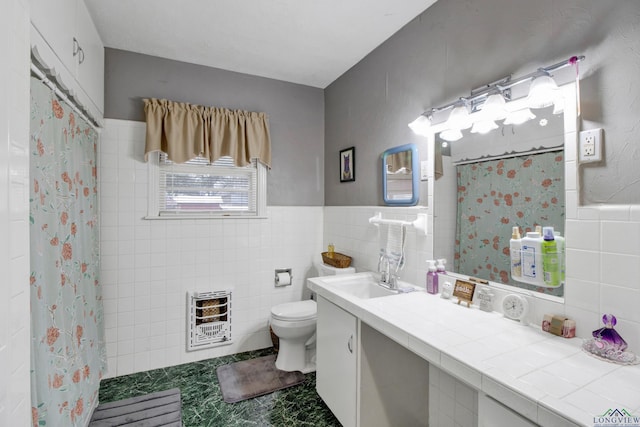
pixel 464 291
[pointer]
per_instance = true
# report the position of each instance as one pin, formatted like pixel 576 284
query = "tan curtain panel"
pixel 184 131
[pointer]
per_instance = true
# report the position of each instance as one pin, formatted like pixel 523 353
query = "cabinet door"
pixel 491 413
pixel 336 358
pixel 90 72
pixel 56 23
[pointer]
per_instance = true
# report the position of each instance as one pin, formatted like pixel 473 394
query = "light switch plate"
pixel 424 165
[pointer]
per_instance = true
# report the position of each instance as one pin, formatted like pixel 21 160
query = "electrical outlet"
pixel 590 147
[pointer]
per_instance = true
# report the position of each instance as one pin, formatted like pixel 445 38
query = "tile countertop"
pixel 546 378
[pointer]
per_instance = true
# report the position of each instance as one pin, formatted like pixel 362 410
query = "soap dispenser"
pixel 440 266
pixel 432 278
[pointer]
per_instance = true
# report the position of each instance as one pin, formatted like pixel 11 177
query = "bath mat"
pixel 162 408
pixel 255 377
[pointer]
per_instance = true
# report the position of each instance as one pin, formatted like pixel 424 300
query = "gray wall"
pixel 296 113
pixel 457 45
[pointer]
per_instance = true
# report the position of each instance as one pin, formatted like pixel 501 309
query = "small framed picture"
pixel 348 164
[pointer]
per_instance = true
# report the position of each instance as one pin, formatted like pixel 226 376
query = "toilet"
pixel 294 323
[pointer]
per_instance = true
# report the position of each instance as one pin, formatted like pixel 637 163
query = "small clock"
pixel 515 307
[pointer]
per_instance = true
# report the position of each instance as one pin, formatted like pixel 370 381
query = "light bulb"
pixel 421 126
pixel 519 116
pixel 451 135
pixel 542 92
pixel 484 126
pixel 459 118
pixel 494 107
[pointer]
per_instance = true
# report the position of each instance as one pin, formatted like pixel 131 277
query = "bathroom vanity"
pixel 375 353
pixel 367 379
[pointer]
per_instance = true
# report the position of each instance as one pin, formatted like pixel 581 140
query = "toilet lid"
pixel 299 310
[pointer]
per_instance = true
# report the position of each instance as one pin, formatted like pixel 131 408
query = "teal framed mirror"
pixel 400 181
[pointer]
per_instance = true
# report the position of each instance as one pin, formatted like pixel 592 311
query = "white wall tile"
pixel 621 270
pixel 621 237
pixel 614 212
pixel 584 234
pixel 582 265
pixel 582 294
pixel 622 302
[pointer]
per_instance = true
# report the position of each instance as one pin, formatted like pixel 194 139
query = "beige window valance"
pixel 184 131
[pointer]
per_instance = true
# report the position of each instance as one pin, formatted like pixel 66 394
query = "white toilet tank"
pixel 328 270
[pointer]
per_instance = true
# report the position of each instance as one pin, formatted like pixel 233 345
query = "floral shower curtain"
pixel 68 354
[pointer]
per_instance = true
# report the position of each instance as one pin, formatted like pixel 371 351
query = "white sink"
pixel 359 285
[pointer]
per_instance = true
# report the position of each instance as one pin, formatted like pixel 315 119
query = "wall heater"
pixel 209 323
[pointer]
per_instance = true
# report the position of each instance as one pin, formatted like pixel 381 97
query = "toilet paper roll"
pixel 283 279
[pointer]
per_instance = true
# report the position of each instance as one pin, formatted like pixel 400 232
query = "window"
pixel 198 189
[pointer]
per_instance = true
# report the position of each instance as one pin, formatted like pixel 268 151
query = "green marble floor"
pixel 202 403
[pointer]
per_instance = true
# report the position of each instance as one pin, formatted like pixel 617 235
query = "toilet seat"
pixel 295 311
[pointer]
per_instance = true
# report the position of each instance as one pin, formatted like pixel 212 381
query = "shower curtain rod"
pixel 37 72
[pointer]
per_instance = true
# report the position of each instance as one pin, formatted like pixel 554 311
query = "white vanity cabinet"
pixel 336 361
pixel 64 29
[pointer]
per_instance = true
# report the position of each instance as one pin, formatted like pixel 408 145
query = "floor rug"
pixel 255 377
pixel 162 408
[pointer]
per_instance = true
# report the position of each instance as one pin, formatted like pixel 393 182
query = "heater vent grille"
pixel 209 322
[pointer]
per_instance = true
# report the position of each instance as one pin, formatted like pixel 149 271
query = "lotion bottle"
pixel 515 249
pixel 550 265
pixel 432 278
pixel 532 259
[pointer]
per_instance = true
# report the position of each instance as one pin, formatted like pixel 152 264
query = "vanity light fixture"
pixel 464 110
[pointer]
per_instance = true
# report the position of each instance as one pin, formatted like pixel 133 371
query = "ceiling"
pixel 300 41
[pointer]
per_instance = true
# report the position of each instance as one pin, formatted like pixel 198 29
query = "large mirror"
pixel 510 177
pixel 400 175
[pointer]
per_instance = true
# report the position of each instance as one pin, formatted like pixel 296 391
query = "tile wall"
pixel 348 228
pixel 15 407
pixel 149 265
pixel 451 402
pixel 603 269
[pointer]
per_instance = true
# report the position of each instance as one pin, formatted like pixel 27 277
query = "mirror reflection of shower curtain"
pixel 68 355
pixel 496 195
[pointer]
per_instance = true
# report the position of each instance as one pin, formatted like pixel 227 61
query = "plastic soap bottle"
pixel 550 258
pixel 440 266
pixel 515 249
pixel 532 258
pixel 432 278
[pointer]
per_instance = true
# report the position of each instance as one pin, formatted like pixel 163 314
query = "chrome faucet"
pixel 383 267
pixel 388 267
